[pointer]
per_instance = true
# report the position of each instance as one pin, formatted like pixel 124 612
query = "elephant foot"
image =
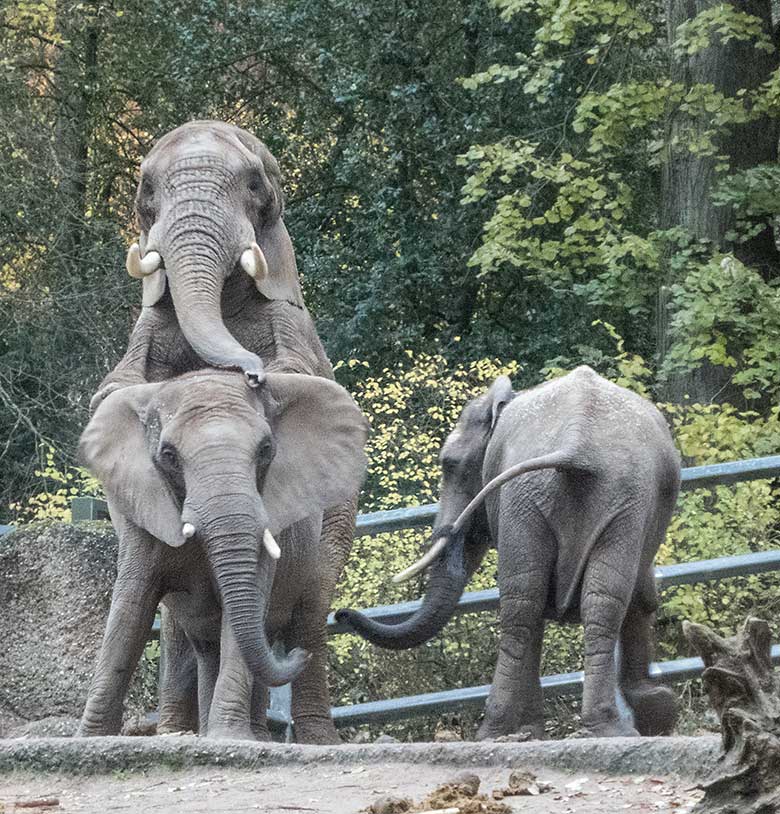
pixel 177 725
pixel 654 707
pixel 98 728
pixel 316 730
pixel 230 732
pixel 611 728
pixel 261 733
pixel 496 731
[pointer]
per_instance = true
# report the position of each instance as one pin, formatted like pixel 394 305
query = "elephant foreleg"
pixel 132 368
pixel 229 715
pixel 133 605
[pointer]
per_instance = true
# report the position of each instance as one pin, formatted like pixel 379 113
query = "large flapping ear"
pixel 281 282
pixel 497 397
pixel 319 433
pixel 114 448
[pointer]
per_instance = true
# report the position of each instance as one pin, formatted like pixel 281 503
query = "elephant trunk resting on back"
pixel 589 477
pixel 201 474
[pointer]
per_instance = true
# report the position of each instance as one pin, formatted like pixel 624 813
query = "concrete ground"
pixel 191 775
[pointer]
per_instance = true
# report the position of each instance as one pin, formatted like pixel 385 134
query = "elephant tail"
pixel 560 459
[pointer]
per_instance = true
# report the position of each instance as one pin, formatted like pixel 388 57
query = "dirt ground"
pixel 324 790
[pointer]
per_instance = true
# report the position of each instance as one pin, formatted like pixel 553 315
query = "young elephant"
pixel 589 478
pixel 201 473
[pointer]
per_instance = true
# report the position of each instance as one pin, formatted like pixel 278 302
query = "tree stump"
pixel 745 693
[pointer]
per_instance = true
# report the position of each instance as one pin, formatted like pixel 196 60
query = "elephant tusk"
pixel 430 555
pixel 187 531
pixel 254 264
pixel 271 546
pixel 140 267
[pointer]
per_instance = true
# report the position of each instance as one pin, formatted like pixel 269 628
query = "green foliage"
pixel 724 22
pixel 729 315
pixel 55 490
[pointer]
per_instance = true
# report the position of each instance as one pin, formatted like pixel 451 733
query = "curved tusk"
pixel 271 546
pixel 430 555
pixel 253 262
pixel 140 267
pixel 187 531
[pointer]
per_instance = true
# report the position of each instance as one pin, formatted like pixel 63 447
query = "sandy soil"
pixel 324 789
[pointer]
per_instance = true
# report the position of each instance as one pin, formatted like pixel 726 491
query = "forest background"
pixel 473 187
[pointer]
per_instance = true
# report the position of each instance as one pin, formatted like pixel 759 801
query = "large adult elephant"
pixel 221 288
pixel 574 481
pixel 202 473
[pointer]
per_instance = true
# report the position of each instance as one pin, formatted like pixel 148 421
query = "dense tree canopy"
pixel 478 178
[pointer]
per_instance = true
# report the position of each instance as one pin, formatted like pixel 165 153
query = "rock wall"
pixel 55 592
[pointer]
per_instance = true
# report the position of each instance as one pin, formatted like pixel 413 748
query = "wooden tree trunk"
pixel 688 180
pixel 75 75
pixel 745 693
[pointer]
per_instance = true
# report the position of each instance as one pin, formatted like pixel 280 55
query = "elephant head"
pixel 203 460
pixel 209 204
pixel 460 537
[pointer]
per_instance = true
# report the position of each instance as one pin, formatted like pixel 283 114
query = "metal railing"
pixel 565 684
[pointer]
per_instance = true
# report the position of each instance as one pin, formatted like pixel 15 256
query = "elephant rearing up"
pixel 221 289
pixel 575 482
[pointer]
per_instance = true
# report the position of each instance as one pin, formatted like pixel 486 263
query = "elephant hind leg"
pixel 608 587
pixel 178 678
pixel 526 555
pixel 258 720
pixel 654 706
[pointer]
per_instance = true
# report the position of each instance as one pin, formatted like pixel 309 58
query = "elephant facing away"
pixel 575 482
pixel 201 474
pixel 221 289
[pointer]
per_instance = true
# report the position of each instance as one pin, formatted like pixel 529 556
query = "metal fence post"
pixel 280 698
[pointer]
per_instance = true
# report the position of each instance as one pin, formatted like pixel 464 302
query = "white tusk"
pixel 140 267
pixel 253 262
pixel 271 546
pixel 424 561
pixel 187 531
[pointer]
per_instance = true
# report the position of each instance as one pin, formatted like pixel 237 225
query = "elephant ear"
pixel 497 397
pixel 114 448
pixel 319 462
pixel 281 282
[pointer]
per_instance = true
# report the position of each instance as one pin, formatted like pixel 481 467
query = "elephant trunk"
pixel 197 263
pixel 244 576
pixel 447 579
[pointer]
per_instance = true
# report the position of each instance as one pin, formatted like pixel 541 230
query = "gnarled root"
pixel 746 696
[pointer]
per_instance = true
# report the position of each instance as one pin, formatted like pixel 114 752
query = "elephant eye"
pixel 449 466
pixel 169 457
pixel 265 452
pixel 255 183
